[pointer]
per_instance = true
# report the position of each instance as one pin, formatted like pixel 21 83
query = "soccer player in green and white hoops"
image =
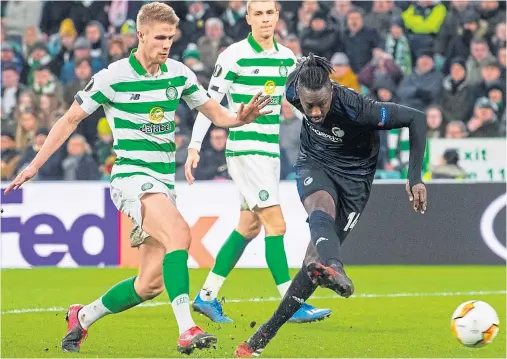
pixel 139 95
pixel 255 64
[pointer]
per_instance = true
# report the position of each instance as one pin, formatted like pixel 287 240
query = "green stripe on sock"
pixel 121 296
pixel 277 259
pixel 175 272
pixel 229 254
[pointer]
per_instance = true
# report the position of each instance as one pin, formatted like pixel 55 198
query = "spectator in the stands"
pixel 359 41
pixel 61 45
pixel 25 132
pixel 319 38
pixel 21 14
pixel 424 86
pixel 398 46
pixel 459 46
pixel 381 15
pixel 82 49
pixel 45 82
pixel 479 55
pixel 129 34
pixel 116 49
pixel 452 25
pixel 458 96
pixel 213 164
pixel 53 13
pixel 192 26
pixel 498 40
pixel 83 72
pixel 121 11
pixel 9 155
pixel 233 18
pixel 305 14
pixel 8 57
pixel 338 15
pixel 423 20
pixel 38 57
pixel 84 11
pixel 501 59
pixel 292 42
pixel 79 165
pixel 213 42
pixel 456 130
pixel 496 93
pixel 492 14
pixel 382 64
pixel 11 89
pixel 52 169
pixel 448 167
pixel 343 73
pixel 31 36
pixel 435 122
pixel 96 36
pixel 491 72
pixel 192 58
pixel 484 122
pixel 47 105
pixel 104 145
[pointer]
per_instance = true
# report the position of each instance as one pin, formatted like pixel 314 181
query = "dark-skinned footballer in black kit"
pixel 335 170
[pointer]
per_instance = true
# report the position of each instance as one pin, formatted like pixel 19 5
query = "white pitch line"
pixel 277 299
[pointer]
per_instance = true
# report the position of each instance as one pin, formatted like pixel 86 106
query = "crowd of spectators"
pixel 444 58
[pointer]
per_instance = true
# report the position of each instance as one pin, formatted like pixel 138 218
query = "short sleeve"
pixel 226 70
pixel 97 92
pixel 193 93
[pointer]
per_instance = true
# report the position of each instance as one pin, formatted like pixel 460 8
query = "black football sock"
pixel 325 241
pixel 299 291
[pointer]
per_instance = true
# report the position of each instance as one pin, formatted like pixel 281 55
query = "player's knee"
pixel 149 289
pixel 276 228
pixel 252 230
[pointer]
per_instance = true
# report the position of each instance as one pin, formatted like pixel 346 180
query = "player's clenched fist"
pixel 25 175
pixel 418 196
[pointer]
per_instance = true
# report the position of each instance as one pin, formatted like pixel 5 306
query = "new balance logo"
pixel 134 97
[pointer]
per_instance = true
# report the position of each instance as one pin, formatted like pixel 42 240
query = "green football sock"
pixel 176 282
pixel 277 262
pixel 121 296
pixel 226 260
pixel 229 254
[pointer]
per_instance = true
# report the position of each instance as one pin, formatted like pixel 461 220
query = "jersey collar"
pixel 138 68
pixel 255 45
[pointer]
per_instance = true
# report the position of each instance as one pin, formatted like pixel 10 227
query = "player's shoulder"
pixel 115 72
pixel 234 52
pixel 286 52
pixel 175 67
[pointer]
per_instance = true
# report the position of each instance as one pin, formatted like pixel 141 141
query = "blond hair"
pixel 156 12
pixel 249 2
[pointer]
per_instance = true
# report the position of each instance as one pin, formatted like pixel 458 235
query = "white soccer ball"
pixel 475 323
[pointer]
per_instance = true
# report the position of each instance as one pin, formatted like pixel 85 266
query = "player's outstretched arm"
pixel 60 132
pixel 415 120
pixel 386 116
pixel 222 117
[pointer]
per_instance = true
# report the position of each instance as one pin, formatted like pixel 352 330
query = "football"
pixel 474 323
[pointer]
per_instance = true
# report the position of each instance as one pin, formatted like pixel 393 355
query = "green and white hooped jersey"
pixel 140 110
pixel 241 71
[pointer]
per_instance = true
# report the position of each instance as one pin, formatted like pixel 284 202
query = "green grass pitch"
pixel 397 312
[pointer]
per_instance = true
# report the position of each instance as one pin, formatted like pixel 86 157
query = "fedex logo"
pixel 49 230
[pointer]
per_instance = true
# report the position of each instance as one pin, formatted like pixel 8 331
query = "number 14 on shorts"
pixel 351 221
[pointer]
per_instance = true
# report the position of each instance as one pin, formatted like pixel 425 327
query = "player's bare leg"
pixel 173 233
pixel 323 260
pixel 206 301
pixel 124 295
